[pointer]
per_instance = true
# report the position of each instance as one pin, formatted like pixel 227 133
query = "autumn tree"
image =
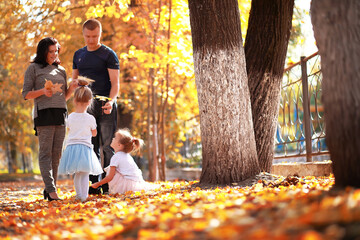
pixel 15 124
pixel 152 67
pixel 162 72
pixel 266 45
pixel 337 29
pixel 227 134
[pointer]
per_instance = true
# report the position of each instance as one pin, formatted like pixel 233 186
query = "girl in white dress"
pixel 79 157
pixel 123 174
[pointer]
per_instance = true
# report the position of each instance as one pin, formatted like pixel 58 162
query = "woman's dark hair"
pixel 43 49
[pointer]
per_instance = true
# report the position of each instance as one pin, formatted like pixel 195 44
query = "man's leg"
pixel 95 141
pixel 107 128
pixel 95 110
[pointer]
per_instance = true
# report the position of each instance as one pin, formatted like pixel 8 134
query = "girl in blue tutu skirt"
pixel 79 158
pixel 123 174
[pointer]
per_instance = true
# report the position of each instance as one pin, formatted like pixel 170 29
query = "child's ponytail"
pixel 131 144
pixel 137 144
pixel 83 93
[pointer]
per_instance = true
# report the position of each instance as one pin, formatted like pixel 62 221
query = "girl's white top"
pixel 126 165
pixel 80 126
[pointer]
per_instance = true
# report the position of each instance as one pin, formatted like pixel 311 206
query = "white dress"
pixel 128 177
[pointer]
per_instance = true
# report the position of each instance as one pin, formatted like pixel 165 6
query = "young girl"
pixel 79 157
pixel 123 174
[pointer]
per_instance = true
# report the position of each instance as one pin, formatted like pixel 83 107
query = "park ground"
pixel 267 207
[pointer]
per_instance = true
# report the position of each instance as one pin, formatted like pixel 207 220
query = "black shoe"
pixel 47 196
pixel 95 191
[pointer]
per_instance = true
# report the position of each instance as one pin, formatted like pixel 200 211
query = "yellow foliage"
pixel 78 20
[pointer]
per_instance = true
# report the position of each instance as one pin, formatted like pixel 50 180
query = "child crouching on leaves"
pixel 79 157
pixel 123 174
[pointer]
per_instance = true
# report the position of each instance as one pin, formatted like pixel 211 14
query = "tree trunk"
pixel 164 102
pixel 336 27
pixel 154 167
pixel 30 163
pixel 11 160
pixel 155 139
pixel 266 44
pixel 24 163
pixel 152 129
pixel 227 134
pixel 8 158
pixel 152 170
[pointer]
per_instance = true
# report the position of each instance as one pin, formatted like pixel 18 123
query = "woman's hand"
pixel 48 92
pixel 73 85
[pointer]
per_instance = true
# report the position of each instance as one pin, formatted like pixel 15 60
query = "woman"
pixel 49 109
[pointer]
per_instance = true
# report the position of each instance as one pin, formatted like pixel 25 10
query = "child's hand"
pixel 95 185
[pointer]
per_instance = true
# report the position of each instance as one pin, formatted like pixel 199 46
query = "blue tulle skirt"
pixel 79 158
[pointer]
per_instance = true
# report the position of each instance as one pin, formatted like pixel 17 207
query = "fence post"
pixel 306 107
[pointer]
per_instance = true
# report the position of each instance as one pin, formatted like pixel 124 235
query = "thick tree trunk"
pixel 337 32
pixel 227 135
pixel 266 44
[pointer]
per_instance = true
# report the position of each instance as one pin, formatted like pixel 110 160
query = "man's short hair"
pixel 91 24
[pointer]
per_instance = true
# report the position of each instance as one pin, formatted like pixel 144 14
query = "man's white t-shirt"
pixel 80 126
pixel 126 165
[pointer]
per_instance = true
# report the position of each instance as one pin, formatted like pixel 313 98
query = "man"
pixel 100 63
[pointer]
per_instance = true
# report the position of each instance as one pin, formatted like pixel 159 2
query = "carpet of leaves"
pixel 285 208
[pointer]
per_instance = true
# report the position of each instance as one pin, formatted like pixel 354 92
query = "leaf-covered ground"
pixel 283 208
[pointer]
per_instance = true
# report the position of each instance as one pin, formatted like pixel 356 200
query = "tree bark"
pixel 336 27
pixel 266 44
pixel 227 134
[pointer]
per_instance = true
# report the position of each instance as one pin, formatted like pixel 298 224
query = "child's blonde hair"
pixel 83 94
pixel 131 144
